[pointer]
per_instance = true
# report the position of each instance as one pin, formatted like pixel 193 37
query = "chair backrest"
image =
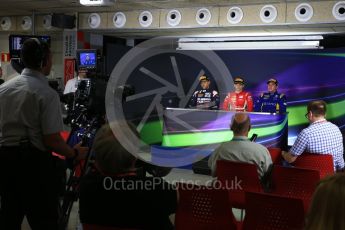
pixel 238 178
pixel 98 227
pixel 276 155
pixel 295 183
pixel 202 207
pixel 321 162
pixel 266 211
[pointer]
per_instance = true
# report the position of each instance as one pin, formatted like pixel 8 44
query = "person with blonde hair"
pixel 327 210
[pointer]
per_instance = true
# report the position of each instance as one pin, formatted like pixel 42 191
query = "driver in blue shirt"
pixel 271 101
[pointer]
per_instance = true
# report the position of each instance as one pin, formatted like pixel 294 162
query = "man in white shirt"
pixel 72 84
pixel 30 126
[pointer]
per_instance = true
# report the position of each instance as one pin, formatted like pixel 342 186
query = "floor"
pixel 176 175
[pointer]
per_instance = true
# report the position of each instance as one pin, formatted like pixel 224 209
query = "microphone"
pixel 254 137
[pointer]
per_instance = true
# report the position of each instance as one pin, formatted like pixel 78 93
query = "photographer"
pixel 30 126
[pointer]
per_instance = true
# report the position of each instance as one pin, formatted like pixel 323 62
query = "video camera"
pixel 88 100
pixel 86 114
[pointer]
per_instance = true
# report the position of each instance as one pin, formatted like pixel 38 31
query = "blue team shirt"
pixel 271 103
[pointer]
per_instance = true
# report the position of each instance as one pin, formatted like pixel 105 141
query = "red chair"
pixel 98 227
pixel 229 173
pixel 266 211
pixel 295 183
pixel 205 208
pixel 320 162
pixel 276 155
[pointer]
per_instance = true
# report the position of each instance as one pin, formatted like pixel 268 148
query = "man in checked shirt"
pixel 320 137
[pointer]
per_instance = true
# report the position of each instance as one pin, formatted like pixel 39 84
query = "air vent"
pixel 145 18
pixel 304 12
pixel 26 23
pixel 119 19
pixel 174 17
pixel 203 16
pixel 47 22
pixel 234 15
pixel 6 23
pixel 94 20
pixel 268 13
pixel 339 11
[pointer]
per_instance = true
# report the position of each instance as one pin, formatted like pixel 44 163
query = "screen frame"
pixel 89 67
pixel 15 53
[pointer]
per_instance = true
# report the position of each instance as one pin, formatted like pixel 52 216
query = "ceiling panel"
pixel 19 7
pixel 27 7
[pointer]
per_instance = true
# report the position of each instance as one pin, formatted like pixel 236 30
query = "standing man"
pixel 72 84
pixel 239 101
pixel 30 126
pixel 205 98
pixel 271 101
pixel 320 137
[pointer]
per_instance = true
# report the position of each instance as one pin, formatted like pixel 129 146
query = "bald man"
pixel 240 148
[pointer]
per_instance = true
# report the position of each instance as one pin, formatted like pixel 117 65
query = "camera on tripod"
pixel 86 106
pixel 85 115
pixel 88 99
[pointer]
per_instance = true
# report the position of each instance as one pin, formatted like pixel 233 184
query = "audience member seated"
pixel 241 149
pixel 115 195
pixel 320 137
pixel 327 210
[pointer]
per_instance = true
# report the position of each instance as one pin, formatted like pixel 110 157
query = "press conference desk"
pixel 190 135
pixel 192 127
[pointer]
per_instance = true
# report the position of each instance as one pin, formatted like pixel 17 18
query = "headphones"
pixel 41 53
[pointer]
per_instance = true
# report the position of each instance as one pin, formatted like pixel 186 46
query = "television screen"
pixel 87 59
pixel 16 43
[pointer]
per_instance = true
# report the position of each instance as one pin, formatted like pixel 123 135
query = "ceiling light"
pixel 250 43
pixel 272 45
pixel 97 2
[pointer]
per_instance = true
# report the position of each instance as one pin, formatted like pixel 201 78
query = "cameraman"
pixel 72 84
pixel 30 125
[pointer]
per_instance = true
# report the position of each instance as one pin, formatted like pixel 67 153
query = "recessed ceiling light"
pixel 97 2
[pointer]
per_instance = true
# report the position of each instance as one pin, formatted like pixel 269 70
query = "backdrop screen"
pixel 303 75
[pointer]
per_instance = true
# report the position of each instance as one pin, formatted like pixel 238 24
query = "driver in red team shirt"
pixel 240 101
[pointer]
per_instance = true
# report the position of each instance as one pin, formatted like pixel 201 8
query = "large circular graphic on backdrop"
pixel 141 61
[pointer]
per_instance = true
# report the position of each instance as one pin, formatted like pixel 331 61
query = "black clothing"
pixel 127 201
pixel 28 187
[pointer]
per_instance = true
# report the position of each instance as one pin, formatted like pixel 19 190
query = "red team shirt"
pixel 240 102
